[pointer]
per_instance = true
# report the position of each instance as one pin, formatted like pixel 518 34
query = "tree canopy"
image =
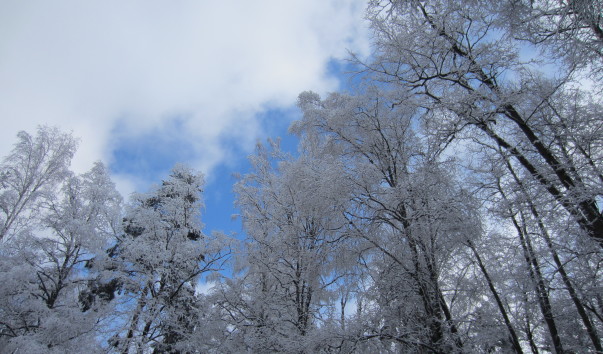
pixel 449 201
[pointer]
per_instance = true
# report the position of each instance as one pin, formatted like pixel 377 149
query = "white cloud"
pixel 92 66
pixel 204 287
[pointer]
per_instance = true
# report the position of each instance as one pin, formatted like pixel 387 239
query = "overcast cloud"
pixel 194 70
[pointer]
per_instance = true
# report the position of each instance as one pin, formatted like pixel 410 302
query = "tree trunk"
pixel 501 307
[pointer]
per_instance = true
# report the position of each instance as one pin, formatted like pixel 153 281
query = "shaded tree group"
pixel 448 202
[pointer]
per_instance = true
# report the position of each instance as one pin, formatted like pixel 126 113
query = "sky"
pixel 146 84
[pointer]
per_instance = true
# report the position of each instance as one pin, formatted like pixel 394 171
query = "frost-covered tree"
pixel 44 270
pixel 293 214
pixel 451 202
pixel 529 132
pixel 32 171
pixel 407 209
pixel 162 256
pixel 472 80
pixel 571 30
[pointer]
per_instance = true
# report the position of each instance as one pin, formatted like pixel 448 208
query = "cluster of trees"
pixel 80 272
pixel 450 202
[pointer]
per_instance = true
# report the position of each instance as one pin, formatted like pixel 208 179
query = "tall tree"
pixel 44 270
pixel 162 255
pixel 405 207
pixel 292 211
pixel 32 171
pixel 472 80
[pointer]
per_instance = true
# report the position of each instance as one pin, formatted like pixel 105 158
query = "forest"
pixel 449 202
